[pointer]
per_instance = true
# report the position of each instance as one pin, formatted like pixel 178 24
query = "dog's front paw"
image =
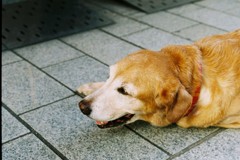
pixel 84 89
pixel 89 88
pixel 183 122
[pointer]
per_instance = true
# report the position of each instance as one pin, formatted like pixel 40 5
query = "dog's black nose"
pixel 85 107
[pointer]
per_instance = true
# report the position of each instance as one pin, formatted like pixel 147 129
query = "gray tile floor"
pixel 40 116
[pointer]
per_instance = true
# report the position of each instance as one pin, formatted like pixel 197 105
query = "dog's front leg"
pixel 89 88
pixel 205 116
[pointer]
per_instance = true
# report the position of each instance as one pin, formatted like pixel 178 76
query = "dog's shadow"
pixel 143 125
pixel 171 132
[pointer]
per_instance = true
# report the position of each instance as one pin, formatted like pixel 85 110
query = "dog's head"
pixel 142 86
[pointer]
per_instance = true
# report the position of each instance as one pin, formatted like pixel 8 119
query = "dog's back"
pixel 221 61
pixel 220 95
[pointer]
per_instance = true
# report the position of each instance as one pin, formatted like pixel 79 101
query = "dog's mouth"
pixel 114 123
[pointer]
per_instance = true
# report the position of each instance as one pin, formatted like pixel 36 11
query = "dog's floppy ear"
pixel 176 100
pixel 181 103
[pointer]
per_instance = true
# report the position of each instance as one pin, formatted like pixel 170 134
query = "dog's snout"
pixel 85 107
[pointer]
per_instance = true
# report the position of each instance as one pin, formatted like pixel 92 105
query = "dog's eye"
pixel 122 91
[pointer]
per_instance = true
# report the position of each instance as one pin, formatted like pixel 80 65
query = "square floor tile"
pixel 225 145
pixel 9 57
pixel 198 31
pixel 48 53
pixel 100 45
pixel 155 39
pixel 167 21
pixel 27 147
pixel 184 9
pixel 79 71
pixel 173 139
pixel 214 18
pixel 138 15
pixel 221 5
pixel 234 11
pixel 24 87
pixel 77 136
pixel 123 26
pixel 11 127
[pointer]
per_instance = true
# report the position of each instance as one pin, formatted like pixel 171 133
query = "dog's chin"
pixel 114 123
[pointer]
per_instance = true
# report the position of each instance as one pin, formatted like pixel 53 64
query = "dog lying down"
pixel 195 85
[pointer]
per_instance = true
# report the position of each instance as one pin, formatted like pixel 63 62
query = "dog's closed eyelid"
pixel 122 91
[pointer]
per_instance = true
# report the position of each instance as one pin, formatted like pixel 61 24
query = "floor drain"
pixel 34 21
pixel 151 6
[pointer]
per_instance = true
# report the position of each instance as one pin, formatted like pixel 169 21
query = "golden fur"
pixel 166 80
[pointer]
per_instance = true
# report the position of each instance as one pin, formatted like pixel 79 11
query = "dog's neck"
pixel 194 65
pixel 196 93
pixel 188 62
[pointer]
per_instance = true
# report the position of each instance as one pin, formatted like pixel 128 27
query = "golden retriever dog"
pixel 196 85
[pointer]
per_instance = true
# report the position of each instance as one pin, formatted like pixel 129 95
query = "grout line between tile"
pixel 43 71
pixel 120 38
pixel 135 19
pixel 180 29
pixel 222 11
pixel 16 138
pixel 195 21
pixel 45 105
pixel 12 62
pixel 131 32
pixel 86 54
pixel 62 62
pixel 208 137
pixel 39 136
pixel 166 152
pixel 187 28
pixel 150 26
pixel 146 29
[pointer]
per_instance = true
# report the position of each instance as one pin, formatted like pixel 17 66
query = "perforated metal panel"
pixel 30 22
pixel 150 6
pixel 3 48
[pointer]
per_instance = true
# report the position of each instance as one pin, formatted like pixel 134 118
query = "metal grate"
pixel 30 22
pixel 3 47
pixel 151 6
